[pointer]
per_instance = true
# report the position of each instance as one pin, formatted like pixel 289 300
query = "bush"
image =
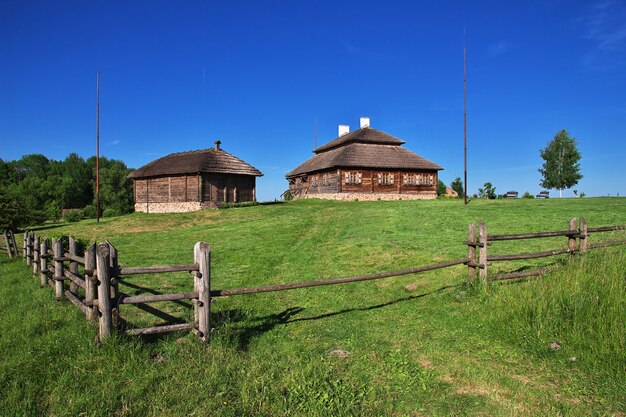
pixel 528 195
pixel 89 211
pixel 73 215
pixel 52 210
pixel 441 188
pixel 110 212
pixel 287 196
pixel 235 205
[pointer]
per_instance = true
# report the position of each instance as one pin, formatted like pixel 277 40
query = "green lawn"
pixel 416 345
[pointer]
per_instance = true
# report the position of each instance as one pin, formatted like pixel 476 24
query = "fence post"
pixel 105 322
pixel 571 240
pixel 36 255
pixel 29 248
pixel 583 236
pixel 482 252
pixel 43 259
pixel 8 243
pixel 90 281
pixel 12 236
pixel 25 251
pixel 202 285
pixel 115 291
pixel 471 253
pixel 58 277
pixel 73 251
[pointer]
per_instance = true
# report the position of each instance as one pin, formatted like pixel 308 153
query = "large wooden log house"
pixel 189 181
pixel 365 164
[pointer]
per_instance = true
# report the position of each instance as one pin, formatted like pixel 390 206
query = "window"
pixel 385 178
pixel 411 179
pixel 353 178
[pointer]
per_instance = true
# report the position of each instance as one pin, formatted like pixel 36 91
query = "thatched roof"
pixel 364 148
pixel 363 135
pixel 193 162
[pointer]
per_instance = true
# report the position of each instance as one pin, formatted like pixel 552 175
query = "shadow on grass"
pixel 242 336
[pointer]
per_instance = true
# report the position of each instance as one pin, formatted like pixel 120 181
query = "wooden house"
pixel 365 164
pixel 189 181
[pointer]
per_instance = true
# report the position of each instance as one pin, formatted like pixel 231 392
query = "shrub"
pixel 73 215
pixel 52 210
pixel 287 196
pixel 528 195
pixel 110 212
pixel 441 188
pixel 89 211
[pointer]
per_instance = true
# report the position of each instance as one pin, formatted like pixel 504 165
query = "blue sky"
pixel 260 76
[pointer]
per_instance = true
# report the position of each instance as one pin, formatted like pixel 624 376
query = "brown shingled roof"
pixel 362 155
pixel 193 162
pixel 363 135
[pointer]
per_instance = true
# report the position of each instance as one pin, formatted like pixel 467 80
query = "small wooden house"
pixel 189 181
pixel 365 164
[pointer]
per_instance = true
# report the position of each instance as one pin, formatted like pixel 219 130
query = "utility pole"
pixel 98 147
pixel 465 115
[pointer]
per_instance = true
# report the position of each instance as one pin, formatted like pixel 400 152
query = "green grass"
pixel 436 348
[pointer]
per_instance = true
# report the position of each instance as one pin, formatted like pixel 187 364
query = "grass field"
pixel 416 345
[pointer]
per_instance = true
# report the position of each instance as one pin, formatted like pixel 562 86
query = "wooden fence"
pixel 577 242
pixel 94 277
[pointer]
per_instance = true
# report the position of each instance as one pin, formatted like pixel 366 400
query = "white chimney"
pixel 343 129
pixel 365 122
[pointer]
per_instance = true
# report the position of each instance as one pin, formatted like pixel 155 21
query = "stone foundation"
pixel 371 196
pixel 179 207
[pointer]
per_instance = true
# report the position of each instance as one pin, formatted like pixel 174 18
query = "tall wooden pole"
pixel 98 147
pixel 464 117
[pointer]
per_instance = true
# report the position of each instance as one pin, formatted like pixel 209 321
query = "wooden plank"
pixel 534 255
pixel 160 329
pixel 571 239
pixel 584 234
pixel 90 282
pixel 333 281
pixel 606 228
pixel 156 269
pixel 76 301
pixel 471 252
pixel 25 250
pixel 105 323
pixel 73 267
pixel 533 235
pixel 142 299
pixel 76 280
pixel 7 243
pixel 202 285
pixel 115 290
pixel 29 248
pixel 36 251
pixel 605 244
pixel 43 264
pixel 58 270
pixel 14 243
pixel 74 258
pixel 482 252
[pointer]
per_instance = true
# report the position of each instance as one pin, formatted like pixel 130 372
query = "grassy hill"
pixel 422 344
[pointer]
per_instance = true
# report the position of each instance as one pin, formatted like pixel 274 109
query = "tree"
pixel 441 188
pixel 489 191
pixel 457 185
pixel 561 169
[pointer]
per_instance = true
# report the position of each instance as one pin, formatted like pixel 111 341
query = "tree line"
pixel 34 189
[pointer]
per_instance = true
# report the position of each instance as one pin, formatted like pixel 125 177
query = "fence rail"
pixel 95 276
